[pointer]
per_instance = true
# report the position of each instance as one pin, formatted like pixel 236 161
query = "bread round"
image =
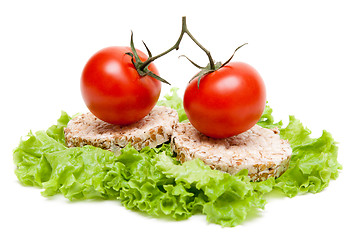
pixel 259 150
pixel 154 129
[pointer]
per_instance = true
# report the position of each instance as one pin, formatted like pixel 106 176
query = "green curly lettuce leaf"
pixel 32 168
pixel 152 181
pixel 83 173
pixel 175 102
pixel 313 162
pixel 57 131
pixel 267 119
pixel 226 199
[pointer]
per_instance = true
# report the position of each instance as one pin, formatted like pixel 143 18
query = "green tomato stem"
pixel 176 46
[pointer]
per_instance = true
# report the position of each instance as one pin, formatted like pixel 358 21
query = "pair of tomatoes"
pixel 227 101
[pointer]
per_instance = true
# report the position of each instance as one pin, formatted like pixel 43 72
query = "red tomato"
pixel 114 91
pixel 228 101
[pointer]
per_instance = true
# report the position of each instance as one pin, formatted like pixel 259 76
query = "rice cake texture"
pixel 154 129
pixel 259 150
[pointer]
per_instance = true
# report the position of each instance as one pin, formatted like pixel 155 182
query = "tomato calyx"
pixel 138 64
pixel 210 67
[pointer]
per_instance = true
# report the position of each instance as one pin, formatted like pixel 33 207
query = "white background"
pixel 306 51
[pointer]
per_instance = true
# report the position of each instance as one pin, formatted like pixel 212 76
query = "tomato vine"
pixel 142 69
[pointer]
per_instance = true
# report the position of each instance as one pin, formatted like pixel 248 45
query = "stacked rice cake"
pixel 153 130
pixel 259 150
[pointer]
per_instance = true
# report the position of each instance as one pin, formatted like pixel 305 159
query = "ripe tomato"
pixel 227 102
pixel 114 91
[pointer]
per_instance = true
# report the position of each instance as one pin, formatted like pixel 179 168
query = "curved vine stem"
pixel 142 67
pixel 176 46
pixel 211 61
